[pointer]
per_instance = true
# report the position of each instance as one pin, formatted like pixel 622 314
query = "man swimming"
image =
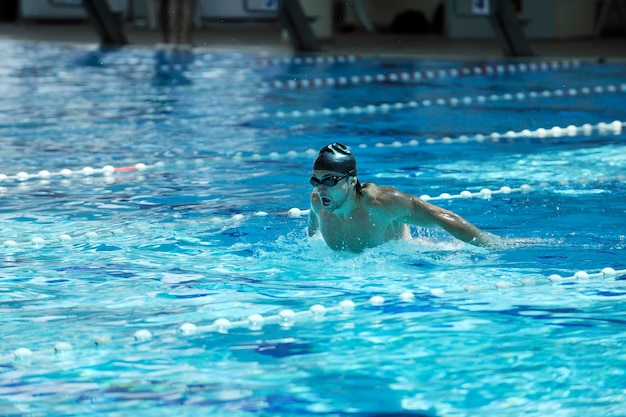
pixel 353 216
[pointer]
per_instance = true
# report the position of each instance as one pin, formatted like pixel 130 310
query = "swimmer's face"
pixel 332 188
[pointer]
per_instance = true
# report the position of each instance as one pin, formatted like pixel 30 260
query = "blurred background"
pixel 424 27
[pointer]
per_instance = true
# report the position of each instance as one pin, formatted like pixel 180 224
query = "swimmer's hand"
pixel 488 240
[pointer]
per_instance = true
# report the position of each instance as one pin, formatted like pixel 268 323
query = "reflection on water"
pixel 171 65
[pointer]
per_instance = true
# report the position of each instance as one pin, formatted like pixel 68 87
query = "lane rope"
pixel 106 171
pixel 452 102
pixel 425 75
pixel 303 60
pixel 101 233
pixel 484 193
pixel 287 318
pixel 188 63
pixel 38 242
pixel 196 65
pixel 615 127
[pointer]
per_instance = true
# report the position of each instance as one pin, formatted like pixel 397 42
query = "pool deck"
pixel 267 38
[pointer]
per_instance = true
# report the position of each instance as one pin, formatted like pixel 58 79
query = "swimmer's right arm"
pixel 313 221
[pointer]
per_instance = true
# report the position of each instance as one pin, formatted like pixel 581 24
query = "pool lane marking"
pixel 484 193
pixel 452 102
pixel 287 318
pixel 425 75
pixel 38 242
pixel 615 127
pixel 203 58
pixel 302 60
pixel 106 171
pixel 198 64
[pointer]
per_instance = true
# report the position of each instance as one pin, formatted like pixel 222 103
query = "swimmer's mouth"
pixel 325 201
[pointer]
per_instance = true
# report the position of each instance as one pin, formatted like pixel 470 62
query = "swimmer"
pixel 352 216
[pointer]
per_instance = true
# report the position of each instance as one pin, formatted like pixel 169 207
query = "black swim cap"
pixel 335 157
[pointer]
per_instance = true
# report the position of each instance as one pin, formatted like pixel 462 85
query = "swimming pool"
pixel 155 258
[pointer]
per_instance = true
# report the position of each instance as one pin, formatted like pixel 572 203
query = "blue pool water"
pixel 149 264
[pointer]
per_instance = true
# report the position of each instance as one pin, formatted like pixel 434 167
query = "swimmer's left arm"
pixel 412 210
pixel 462 229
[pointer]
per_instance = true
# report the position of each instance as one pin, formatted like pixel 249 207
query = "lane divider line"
pixel 288 318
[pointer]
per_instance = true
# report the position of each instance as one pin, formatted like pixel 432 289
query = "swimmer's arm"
pixel 462 229
pixel 313 223
pixel 417 212
pixel 313 220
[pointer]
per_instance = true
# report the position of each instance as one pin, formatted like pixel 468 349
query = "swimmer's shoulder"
pixel 369 192
pixel 381 193
pixel 381 196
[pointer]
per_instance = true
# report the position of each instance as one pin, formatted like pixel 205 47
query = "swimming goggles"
pixel 328 181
